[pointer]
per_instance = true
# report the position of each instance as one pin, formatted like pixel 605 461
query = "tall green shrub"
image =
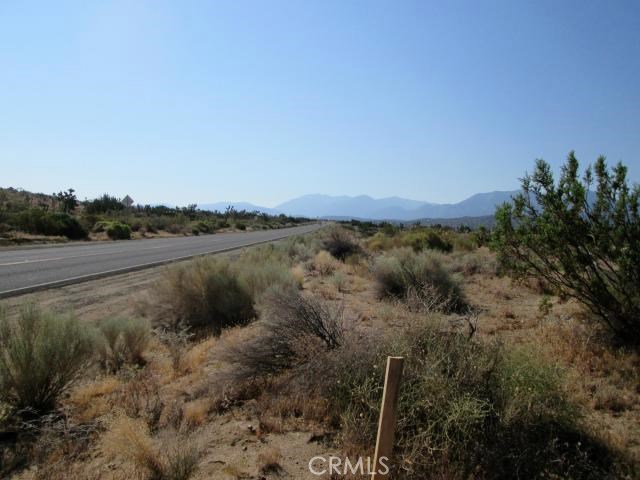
pixel 583 243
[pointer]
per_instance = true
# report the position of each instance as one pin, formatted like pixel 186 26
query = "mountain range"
pixel 366 207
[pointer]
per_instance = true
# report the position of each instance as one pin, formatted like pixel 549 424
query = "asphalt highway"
pixel 25 270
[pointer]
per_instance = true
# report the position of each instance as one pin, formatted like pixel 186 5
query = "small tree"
pixel 584 244
pixel 68 200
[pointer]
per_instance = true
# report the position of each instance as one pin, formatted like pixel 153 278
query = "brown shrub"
pixel 292 327
pixel 340 243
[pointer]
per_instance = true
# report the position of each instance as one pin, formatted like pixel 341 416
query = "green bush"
pixel 105 203
pixel 420 239
pixel 466 409
pixel 118 231
pixel 260 276
pixel 584 244
pixel 203 227
pixel 39 222
pixel 403 274
pixel 41 354
pixel 123 341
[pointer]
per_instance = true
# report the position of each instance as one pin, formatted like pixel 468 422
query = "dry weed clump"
pixel 140 398
pixel 130 440
pixel 269 461
pixel 195 413
pixel 293 326
pixel 324 263
pixel 94 399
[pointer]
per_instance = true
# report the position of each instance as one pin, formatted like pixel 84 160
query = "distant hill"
pixel 392 208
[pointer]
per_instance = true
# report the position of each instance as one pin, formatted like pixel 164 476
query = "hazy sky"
pixel 199 101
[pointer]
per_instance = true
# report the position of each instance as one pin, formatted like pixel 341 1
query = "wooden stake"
pixel 387 423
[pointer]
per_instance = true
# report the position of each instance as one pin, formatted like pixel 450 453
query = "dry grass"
pixel 298 275
pixel 196 356
pixel 130 441
pixel 92 400
pixel 269 461
pixel 195 413
pixel 324 263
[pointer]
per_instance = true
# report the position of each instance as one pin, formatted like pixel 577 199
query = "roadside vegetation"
pixel 27 217
pixel 246 366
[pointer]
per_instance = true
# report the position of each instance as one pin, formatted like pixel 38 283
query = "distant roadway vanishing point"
pixel 25 270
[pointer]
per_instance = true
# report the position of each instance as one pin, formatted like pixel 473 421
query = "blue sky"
pixel 200 101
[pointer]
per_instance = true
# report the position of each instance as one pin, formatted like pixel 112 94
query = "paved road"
pixel 25 270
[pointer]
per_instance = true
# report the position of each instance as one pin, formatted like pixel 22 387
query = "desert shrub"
pixel 420 239
pixel 481 236
pixel 176 341
pixel 340 243
pixel 123 341
pixel 381 242
pixel 100 226
pixel 105 203
pixel 240 226
pixel 272 252
pixel 292 326
pixel 401 273
pixel 205 294
pixel 324 263
pixel 159 222
pixel 262 276
pixel 471 263
pixel 203 227
pixel 37 221
pixel 466 409
pixel 584 244
pixel 339 280
pixel 301 248
pixel 176 228
pixel 463 242
pixel 118 231
pixel 41 354
pixel 263 267
pixel 131 441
